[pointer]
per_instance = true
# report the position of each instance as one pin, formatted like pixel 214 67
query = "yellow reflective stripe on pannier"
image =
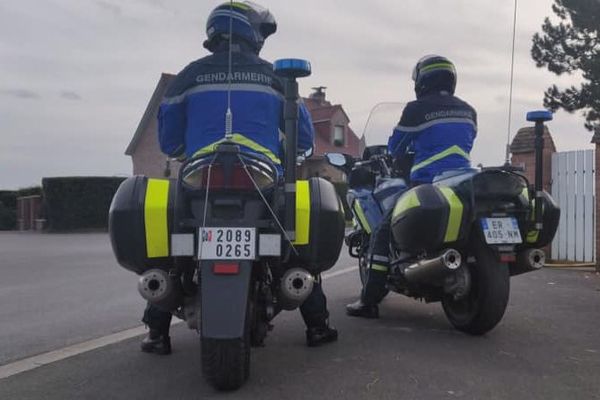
pixel 364 222
pixel 448 152
pixel 455 216
pixel 406 202
pixel 302 212
pixel 155 218
pixel 525 193
pixel 242 141
pixel 532 236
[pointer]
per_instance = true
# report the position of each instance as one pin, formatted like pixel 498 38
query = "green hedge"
pixel 9 198
pixel 78 203
pixel 8 218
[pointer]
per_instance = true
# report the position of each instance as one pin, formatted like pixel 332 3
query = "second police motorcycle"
pixel 458 240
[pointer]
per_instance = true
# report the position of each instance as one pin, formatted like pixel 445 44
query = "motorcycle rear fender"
pixel 224 301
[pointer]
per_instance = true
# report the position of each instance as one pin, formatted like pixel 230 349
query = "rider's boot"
pixel 156 342
pixel 360 309
pixel 316 336
pixel 373 292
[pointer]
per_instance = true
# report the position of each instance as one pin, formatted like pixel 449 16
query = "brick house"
pixel 332 134
pixel 144 150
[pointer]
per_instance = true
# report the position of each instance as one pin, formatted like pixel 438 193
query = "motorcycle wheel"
pixel 483 308
pixel 226 362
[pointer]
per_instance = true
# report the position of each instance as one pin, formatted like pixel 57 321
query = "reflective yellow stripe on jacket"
pixel 242 141
pixel 448 152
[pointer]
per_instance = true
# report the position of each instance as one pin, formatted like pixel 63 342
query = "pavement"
pixel 60 290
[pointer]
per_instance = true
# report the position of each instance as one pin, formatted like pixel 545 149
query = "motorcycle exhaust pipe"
pixel 431 270
pixel 296 285
pixel 158 288
pixel 527 261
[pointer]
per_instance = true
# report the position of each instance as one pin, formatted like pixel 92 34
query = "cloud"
pixel 112 8
pixel 20 93
pixel 70 95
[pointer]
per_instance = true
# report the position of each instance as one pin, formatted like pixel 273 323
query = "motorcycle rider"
pixel 192 122
pixel 440 129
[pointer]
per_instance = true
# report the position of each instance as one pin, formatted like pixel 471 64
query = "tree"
pixel 572 45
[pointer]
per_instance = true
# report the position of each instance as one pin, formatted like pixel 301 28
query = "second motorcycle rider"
pixel 440 129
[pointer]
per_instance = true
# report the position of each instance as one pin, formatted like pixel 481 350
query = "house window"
pixel 338 135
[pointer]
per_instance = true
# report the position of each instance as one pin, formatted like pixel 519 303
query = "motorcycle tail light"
pixel 508 257
pixel 238 179
pixel 226 268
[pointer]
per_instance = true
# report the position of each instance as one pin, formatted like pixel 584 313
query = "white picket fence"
pixel 573 187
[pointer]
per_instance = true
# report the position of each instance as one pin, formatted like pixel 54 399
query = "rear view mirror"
pixel 336 159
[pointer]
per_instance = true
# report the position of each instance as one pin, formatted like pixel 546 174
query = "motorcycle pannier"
pixel 319 224
pixel 140 223
pixel 429 218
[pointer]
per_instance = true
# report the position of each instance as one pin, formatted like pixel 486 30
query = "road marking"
pixel 340 272
pixel 30 363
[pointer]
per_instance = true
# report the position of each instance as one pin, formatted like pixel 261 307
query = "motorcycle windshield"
pixel 381 121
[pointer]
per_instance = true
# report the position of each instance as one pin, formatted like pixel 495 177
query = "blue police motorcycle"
pixel 458 240
pixel 230 244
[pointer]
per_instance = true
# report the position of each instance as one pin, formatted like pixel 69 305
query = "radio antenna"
pixel 229 114
pixel 510 96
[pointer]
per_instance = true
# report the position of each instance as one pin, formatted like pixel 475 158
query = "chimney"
pixel 319 95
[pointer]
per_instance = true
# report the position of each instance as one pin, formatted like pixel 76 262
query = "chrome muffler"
pixel 157 287
pixel 434 269
pixel 296 285
pixel 527 261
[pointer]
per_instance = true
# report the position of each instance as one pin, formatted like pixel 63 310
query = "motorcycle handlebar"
pixel 380 160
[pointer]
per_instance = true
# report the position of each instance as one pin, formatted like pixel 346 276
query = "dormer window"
pixel 338 135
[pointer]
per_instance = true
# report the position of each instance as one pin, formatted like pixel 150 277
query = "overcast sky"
pixel 76 75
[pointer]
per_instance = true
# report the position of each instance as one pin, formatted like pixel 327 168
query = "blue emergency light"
pixel 292 67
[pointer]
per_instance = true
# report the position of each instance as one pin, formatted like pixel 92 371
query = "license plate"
pixel 227 244
pixel 501 230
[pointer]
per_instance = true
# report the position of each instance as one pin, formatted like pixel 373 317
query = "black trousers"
pixel 157 319
pixel 379 262
pixel 313 310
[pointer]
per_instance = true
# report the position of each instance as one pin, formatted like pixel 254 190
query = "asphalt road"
pixel 547 346
pixel 57 290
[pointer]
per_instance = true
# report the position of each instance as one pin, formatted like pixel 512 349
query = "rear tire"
pixel 483 308
pixel 226 362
